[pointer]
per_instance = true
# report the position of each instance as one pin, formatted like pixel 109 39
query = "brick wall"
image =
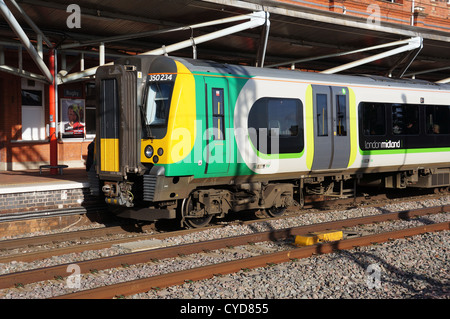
pixel 42 200
pixel 435 14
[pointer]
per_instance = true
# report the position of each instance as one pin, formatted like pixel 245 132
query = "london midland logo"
pixel 375 145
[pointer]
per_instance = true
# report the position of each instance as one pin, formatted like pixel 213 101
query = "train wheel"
pixel 275 211
pixel 190 222
pixel 198 222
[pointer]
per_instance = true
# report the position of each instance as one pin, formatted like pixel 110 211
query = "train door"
pixel 331 127
pixel 217 119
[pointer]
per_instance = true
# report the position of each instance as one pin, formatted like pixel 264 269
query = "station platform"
pixel 24 191
pixel 32 181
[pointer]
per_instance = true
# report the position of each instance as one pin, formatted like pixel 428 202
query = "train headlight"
pixel 148 151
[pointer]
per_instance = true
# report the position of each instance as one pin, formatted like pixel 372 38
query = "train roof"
pixel 205 66
pixel 211 66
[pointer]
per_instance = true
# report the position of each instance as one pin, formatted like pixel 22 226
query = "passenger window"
pixel 405 119
pixel 282 114
pixel 322 114
pixel 276 120
pixel 437 119
pixel 218 114
pixel 341 115
pixel 373 118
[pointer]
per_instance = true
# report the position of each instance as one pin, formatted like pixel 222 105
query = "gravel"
pixel 416 267
pixel 408 268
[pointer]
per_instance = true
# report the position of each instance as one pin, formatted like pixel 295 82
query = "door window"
pixel 322 114
pixel 218 114
pixel 341 115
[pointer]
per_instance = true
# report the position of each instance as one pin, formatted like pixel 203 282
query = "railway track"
pixel 76 238
pixel 140 231
pixel 30 250
pixel 176 278
pixel 60 271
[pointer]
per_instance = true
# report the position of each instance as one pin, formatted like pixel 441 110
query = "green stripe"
pixel 404 151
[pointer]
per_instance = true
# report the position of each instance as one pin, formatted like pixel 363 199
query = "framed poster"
pixel 72 118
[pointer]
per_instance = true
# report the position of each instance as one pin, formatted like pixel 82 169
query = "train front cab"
pixel 145 122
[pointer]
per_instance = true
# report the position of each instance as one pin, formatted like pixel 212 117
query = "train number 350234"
pixel 160 77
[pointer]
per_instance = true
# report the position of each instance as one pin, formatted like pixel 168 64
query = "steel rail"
pixel 42 254
pixel 199 273
pixel 30 276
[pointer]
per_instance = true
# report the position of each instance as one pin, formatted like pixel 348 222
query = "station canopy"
pixel 296 35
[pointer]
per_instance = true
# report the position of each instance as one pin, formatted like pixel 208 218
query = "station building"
pixel 24 120
pixel 303 35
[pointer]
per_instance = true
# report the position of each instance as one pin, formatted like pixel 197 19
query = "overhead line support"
pixel 15 26
pixel 256 19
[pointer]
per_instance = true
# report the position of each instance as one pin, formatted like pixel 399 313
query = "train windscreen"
pixel 157 107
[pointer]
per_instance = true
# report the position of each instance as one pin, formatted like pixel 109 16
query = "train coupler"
pixel 118 193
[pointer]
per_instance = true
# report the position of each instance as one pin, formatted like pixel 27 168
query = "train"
pixel 193 140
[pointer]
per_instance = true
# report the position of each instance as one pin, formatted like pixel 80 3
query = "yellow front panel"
pixel 181 128
pixel 109 149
